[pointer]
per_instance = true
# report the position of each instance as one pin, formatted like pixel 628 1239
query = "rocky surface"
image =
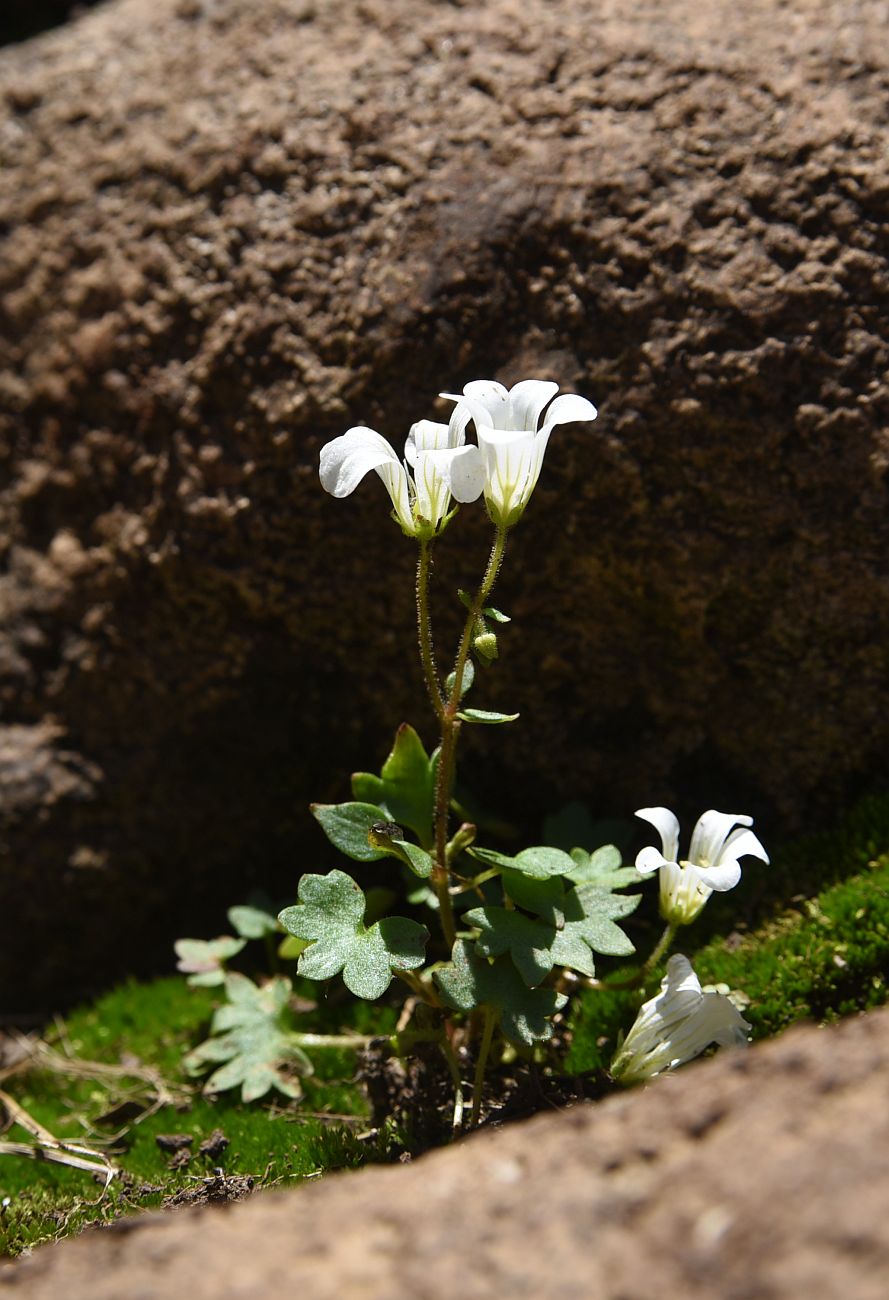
pixel 231 228
pixel 756 1176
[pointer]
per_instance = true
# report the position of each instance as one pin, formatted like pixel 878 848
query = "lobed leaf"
pixel 203 960
pixel 604 868
pixel 470 981
pixel 528 942
pixel 252 1039
pixel 252 922
pixel 330 914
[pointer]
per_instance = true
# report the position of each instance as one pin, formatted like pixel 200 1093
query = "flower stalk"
pixel 450 730
pixel 424 628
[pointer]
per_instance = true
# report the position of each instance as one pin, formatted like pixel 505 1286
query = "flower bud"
pixel 485 646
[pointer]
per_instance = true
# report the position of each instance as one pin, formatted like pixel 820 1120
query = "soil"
pixel 230 229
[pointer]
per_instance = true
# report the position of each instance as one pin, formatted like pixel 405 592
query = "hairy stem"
pixel 424 628
pixel 450 729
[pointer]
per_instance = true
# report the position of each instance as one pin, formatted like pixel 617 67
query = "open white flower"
pixel 713 861
pixel 677 1025
pixel 510 442
pixel 443 467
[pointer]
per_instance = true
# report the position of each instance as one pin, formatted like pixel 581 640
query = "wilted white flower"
pixel 509 440
pixel 712 862
pixel 442 466
pixel 676 1026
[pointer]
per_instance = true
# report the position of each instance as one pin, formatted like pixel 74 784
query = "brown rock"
pixel 231 229
pixel 757 1175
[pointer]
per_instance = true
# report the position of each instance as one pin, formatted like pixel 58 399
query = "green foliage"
pixel 203 960
pixel 389 836
pixel 403 793
pixel 408 776
pixel 252 922
pixel 470 981
pixel 527 941
pixel 603 867
pixel 348 827
pixel 539 863
pixel 330 914
pixel 486 717
pixel 252 1035
pixel 584 924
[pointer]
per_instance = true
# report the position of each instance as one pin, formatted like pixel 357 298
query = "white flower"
pixel 442 467
pixel 677 1025
pixel 510 442
pixel 712 862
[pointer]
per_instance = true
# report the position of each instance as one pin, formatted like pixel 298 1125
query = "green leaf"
pixel 388 836
pixel 468 679
pixel 490 612
pixel 545 898
pixel 528 942
pixel 465 597
pixel 486 717
pixel 367 788
pixel 540 863
pixel 347 825
pixel 590 913
pixel 470 981
pixel 203 960
pixel 252 922
pixel 252 1036
pixel 409 784
pixel 491 857
pixel 604 868
pixel 330 914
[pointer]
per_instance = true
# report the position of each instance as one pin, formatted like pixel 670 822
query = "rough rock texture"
pixel 231 228
pixel 759 1176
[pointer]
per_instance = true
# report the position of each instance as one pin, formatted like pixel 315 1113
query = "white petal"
pixel 568 408
pixel 460 417
pixel 470 408
pixel 721 877
pixel 394 475
pixel 465 470
pixel 667 826
pixel 346 460
pixel 509 462
pixel 680 990
pixel 710 834
pixel 493 397
pixel 743 843
pixel 527 399
pixel 649 860
pixel 426 435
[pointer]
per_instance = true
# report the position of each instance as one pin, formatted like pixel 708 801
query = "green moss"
pixel 154 1024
